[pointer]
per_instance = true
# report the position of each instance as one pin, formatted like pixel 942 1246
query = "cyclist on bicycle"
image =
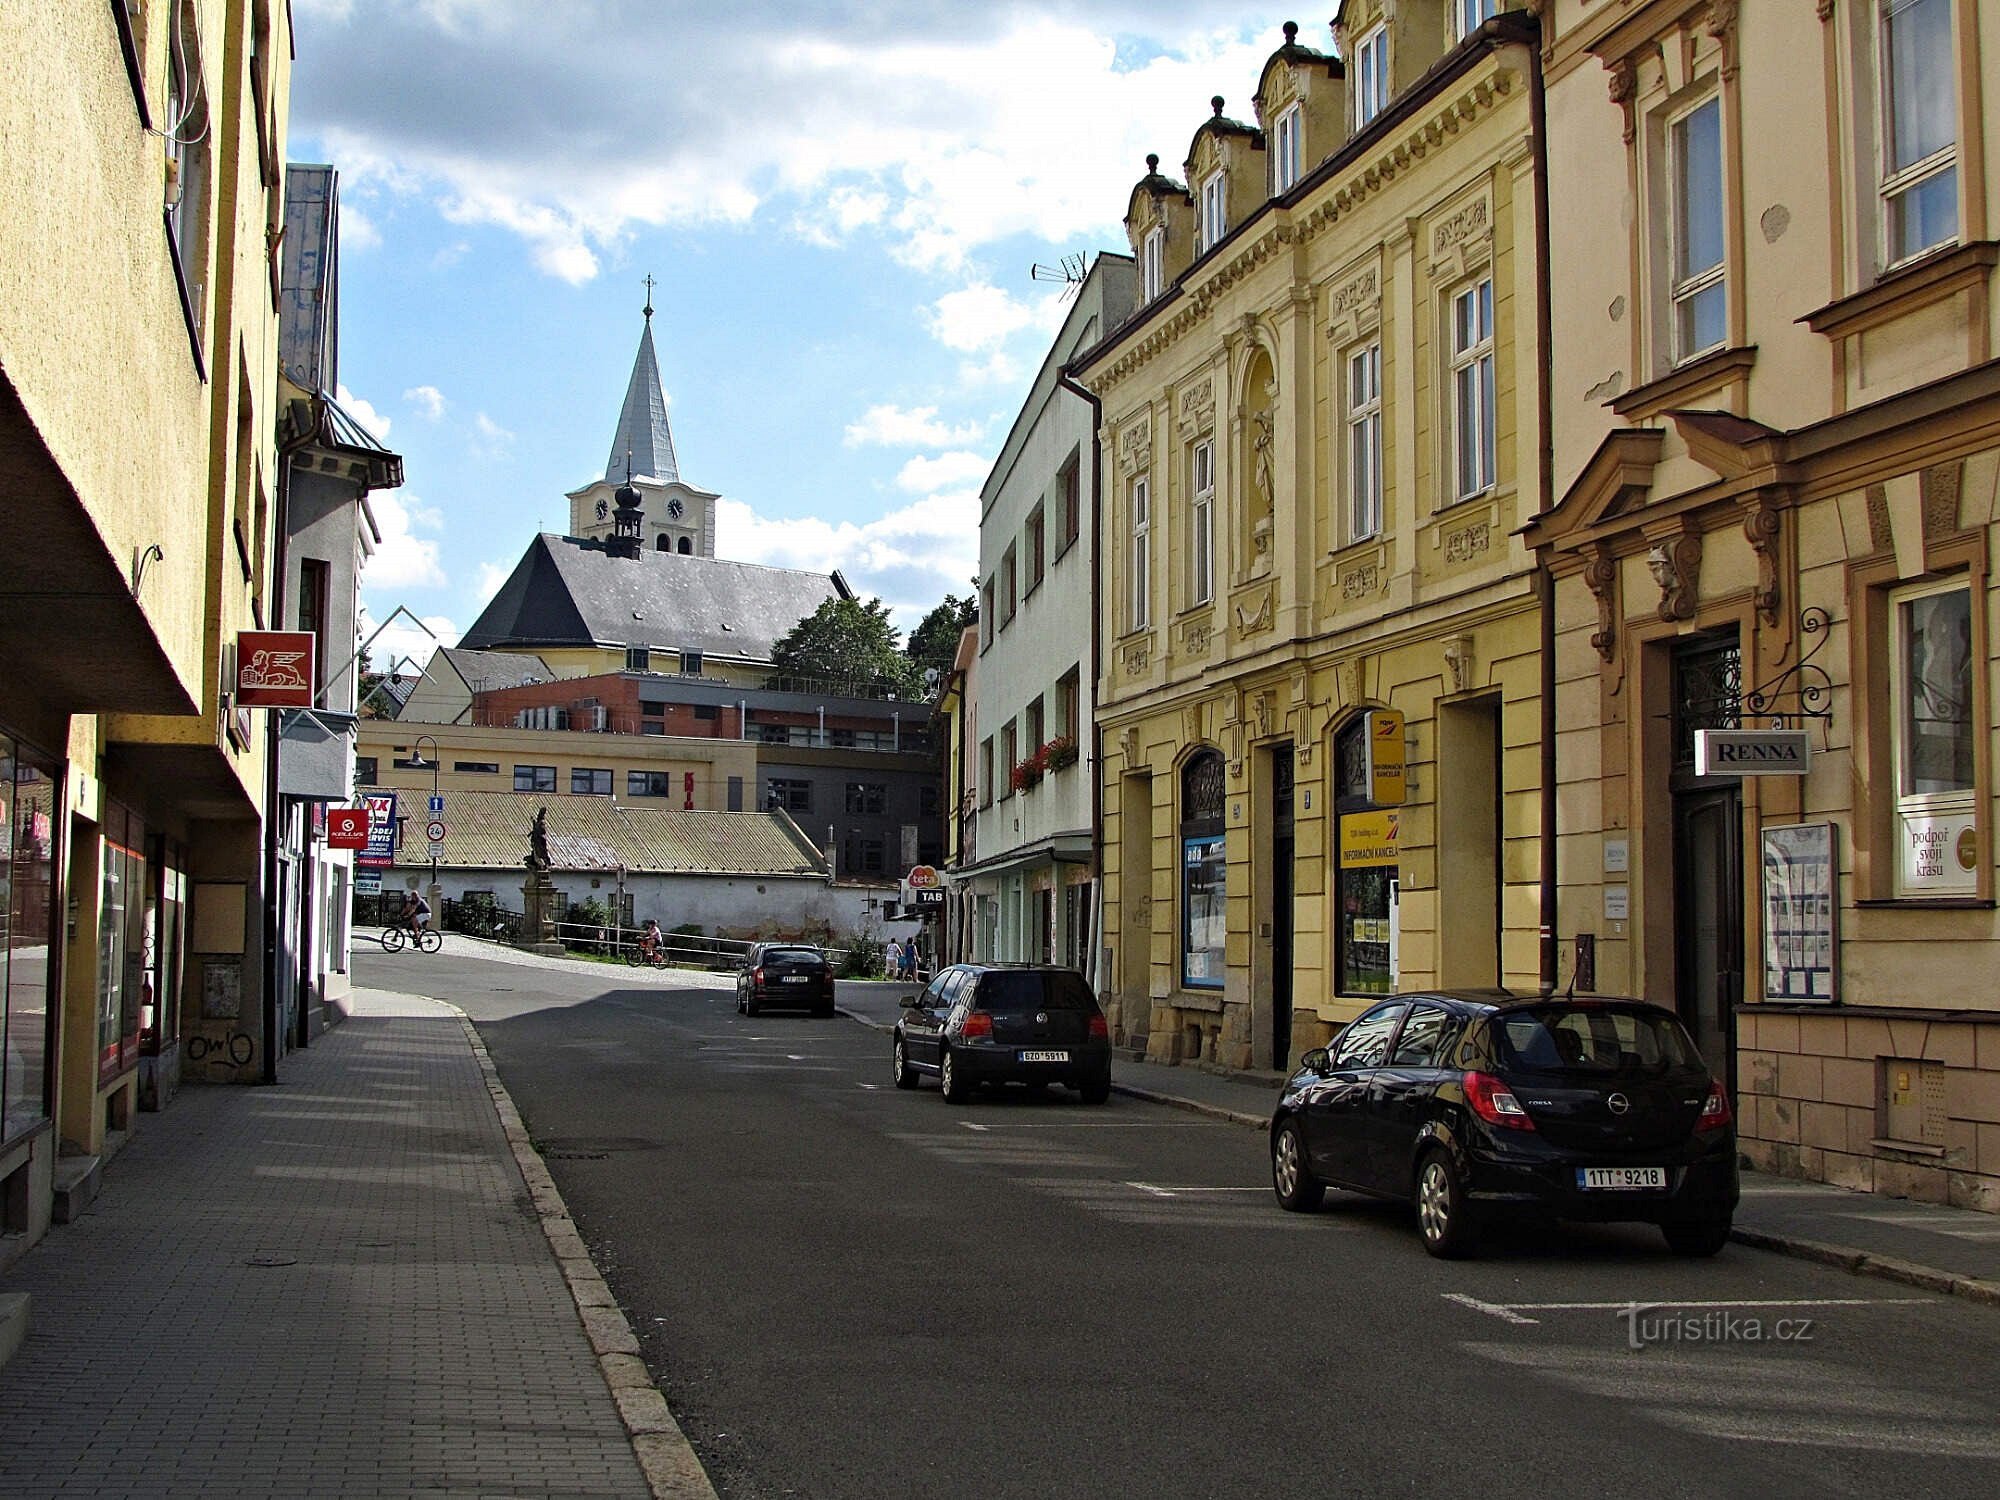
pixel 650 939
pixel 416 914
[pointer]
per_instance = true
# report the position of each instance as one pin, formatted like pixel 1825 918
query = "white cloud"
pixel 893 426
pixel 403 647
pixel 363 412
pixel 357 230
pixel 924 476
pixel 428 400
pixel 404 560
pixel 936 128
pixel 491 576
pixel 491 432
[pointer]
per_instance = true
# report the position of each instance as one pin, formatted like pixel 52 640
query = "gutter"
pixel 1545 477
pixel 1066 381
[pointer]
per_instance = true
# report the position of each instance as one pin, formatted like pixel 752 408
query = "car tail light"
pixel 1495 1103
pixel 1099 1032
pixel 756 976
pixel 1715 1110
pixel 976 1024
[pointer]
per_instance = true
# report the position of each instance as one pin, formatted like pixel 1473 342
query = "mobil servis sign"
pixel 1751 752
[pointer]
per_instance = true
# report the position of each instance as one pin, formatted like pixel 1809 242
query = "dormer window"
pixel 1371 75
pixel 1469 15
pixel 1213 225
pixel 1153 263
pixel 1288 150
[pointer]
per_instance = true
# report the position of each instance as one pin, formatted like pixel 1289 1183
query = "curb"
pixel 672 1470
pixel 1867 1263
pixel 1213 1111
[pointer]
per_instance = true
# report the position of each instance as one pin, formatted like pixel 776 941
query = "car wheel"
pixel 1698 1238
pixel 957 1088
pixel 750 1005
pixel 1291 1179
pixel 906 1076
pixel 1442 1212
pixel 1096 1090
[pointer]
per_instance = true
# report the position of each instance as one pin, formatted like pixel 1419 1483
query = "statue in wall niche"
pixel 538 841
pixel 1261 465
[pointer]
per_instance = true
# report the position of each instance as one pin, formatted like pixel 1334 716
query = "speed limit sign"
pixel 434 830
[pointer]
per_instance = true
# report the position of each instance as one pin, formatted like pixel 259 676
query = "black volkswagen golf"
pixel 1573 1108
pixel 1004 1023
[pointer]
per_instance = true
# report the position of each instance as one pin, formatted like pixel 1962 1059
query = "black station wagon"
pixel 1004 1023
pixel 1471 1106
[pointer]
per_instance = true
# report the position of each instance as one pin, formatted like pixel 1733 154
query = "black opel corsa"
pixel 1004 1023
pixel 1471 1105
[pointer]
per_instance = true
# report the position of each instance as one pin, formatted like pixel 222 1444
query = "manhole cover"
pixel 272 1260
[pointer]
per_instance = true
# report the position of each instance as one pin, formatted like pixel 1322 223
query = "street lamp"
pixel 417 764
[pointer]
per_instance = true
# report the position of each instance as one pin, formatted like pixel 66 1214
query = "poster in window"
pixel 1801 906
pixel 1204 891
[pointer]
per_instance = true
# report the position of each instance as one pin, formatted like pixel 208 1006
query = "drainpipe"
pixel 273 823
pixel 1068 382
pixel 1545 476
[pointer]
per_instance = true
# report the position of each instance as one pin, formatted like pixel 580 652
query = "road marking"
pixel 1511 1312
pixel 1174 1192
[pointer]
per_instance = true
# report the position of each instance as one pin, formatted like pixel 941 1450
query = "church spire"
pixel 643 435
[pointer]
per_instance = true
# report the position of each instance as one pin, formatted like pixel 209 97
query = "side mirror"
pixel 910 1002
pixel 1319 1060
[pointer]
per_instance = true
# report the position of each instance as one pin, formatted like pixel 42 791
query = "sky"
pixel 840 205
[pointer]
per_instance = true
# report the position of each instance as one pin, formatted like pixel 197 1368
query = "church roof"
pixel 566 591
pixel 642 423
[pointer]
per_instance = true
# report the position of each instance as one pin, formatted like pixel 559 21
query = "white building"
pixel 1033 876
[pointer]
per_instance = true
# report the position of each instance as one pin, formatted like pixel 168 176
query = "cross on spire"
pixel 649 297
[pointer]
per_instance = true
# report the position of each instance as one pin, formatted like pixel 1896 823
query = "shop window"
pixel 121 950
pixel 29 809
pixel 1367 880
pixel 1932 740
pixel 1204 873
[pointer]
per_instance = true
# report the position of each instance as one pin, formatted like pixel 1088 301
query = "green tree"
pixel 847 642
pixel 934 642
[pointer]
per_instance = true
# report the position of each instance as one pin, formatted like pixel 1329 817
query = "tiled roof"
pixel 489 830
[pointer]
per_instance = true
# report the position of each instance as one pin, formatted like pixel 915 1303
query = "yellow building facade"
pixel 1777 468
pixel 1321 433
pixel 138 414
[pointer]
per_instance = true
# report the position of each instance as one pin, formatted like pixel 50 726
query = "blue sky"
pixel 840 206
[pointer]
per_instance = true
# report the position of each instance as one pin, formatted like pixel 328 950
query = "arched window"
pixel 1204 873
pixel 687 546
pixel 665 543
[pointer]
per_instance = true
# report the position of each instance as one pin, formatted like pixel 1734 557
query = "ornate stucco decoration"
pixel 1624 86
pixel 1354 307
pixel 1138 656
pixel 1194 638
pixel 1360 581
pixel 1722 26
pixel 1881 535
pixel 1600 576
pixel 1468 542
pixel 1197 409
pixel 1255 612
pixel 1348 675
pixel 1458 662
pixel 1135 446
pixel 1940 486
pixel 1675 563
pixel 1128 745
pixel 1762 528
pixel 1463 241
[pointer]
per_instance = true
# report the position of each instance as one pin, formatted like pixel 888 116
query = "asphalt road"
pixel 846 1290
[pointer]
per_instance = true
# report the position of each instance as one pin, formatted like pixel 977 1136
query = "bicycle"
pixel 638 957
pixel 429 940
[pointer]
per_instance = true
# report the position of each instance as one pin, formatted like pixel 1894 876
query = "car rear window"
pixel 1592 1041
pixel 1033 990
pixel 791 955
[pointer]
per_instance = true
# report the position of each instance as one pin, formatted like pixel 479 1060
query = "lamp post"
pixel 417 763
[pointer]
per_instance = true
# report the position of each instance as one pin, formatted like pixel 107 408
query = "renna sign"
pixel 1751 752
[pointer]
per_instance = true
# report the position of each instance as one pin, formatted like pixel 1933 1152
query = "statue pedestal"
pixel 539 900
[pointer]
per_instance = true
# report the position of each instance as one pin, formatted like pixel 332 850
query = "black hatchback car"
pixel 1004 1023
pixel 794 975
pixel 1570 1108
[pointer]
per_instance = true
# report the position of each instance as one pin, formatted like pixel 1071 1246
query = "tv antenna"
pixel 1069 271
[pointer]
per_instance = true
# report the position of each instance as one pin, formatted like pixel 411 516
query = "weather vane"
pixel 649 296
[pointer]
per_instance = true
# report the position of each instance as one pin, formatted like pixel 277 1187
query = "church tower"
pixel 677 516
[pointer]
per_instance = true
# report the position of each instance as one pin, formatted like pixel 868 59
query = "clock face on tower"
pixel 674 507
pixel 603 509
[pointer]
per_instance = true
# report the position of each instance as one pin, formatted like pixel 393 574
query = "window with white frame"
pixel 1287 149
pixel 1153 263
pixel 1364 442
pixel 1213 224
pixel 1472 412
pixel 1932 739
pixel 1142 551
pixel 1369 77
pixel 1201 525
pixel 1700 291
pixel 1469 15
pixel 1919 127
